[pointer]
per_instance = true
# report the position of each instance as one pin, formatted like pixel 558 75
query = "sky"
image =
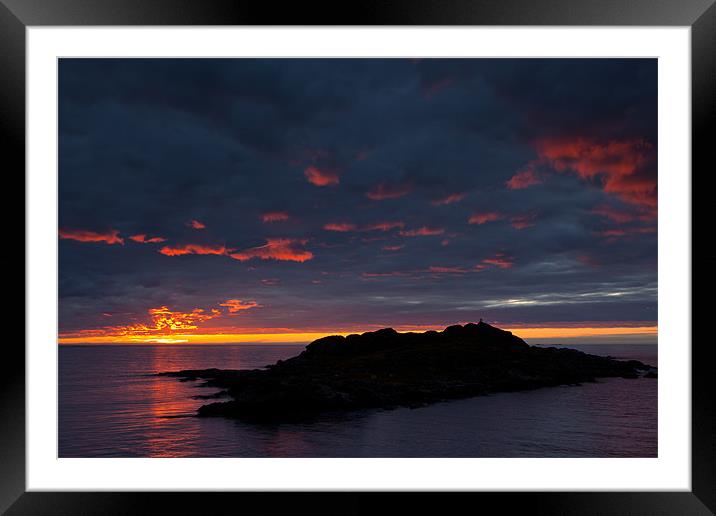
pixel 213 200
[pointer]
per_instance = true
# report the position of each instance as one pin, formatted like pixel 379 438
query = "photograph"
pixel 357 257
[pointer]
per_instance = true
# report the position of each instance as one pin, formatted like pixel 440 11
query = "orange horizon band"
pixel 304 337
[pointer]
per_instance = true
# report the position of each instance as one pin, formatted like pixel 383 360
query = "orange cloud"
pixel 275 216
pixel 624 166
pixel 482 218
pixel 284 249
pixel 449 199
pixel 192 249
pixel 321 177
pixel 196 224
pixel 523 179
pixel 163 321
pixel 81 235
pixel 388 191
pixel 423 231
pixel 142 239
pixel 236 305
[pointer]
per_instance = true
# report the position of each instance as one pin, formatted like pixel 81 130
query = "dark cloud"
pixel 347 193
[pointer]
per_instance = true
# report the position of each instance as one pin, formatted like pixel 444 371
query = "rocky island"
pixel 387 369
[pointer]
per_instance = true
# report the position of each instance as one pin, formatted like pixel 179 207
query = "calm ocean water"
pixel 111 406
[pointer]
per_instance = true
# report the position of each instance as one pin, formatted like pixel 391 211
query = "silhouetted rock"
pixel 387 369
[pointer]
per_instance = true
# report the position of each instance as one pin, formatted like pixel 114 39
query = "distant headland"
pixel 387 369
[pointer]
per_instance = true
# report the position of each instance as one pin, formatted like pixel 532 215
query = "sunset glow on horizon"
pixel 307 337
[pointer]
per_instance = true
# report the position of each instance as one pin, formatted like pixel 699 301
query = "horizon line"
pixel 556 332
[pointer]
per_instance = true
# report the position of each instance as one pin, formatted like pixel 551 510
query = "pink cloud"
pixel 499 260
pixel 195 224
pixel 340 227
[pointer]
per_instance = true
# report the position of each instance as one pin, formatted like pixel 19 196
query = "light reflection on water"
pixel 112 406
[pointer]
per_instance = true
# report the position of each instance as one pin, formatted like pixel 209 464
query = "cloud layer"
pixel 328 193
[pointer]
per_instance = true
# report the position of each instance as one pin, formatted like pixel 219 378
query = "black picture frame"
pixel 700 15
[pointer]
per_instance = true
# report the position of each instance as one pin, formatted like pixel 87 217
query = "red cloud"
pixel 448 199
pixel 392 247
pixel 388 191
pixel 142 239
pixel 284 249
pixel 340 227
pixel 196 224
pixel 192 249
pixel 275 216
pixel 523 179
pixel 321 177
pixel 625 167
pixel 81 235
pixel 423 231
pixel 482 218
pixel 236 305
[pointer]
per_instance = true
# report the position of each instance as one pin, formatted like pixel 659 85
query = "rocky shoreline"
pixel 387 369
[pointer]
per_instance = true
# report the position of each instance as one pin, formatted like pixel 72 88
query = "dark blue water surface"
pixel 110 405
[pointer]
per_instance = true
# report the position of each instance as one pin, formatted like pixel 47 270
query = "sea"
pixel 111 404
